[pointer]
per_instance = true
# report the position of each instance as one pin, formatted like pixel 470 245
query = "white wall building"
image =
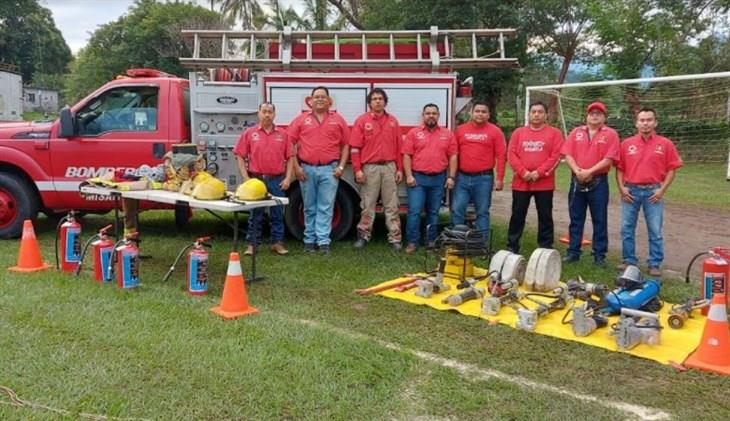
pixel 11 94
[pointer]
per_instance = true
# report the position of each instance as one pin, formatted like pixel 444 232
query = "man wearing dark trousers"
pixel 589 151
pixel 533 154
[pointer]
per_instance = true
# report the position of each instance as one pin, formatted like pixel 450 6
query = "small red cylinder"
pixel 715 275
pixel 70 254
pixel 102 249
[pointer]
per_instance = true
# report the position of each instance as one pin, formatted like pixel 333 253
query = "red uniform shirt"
pixel 647 161
pixel 481 148
pixel 534 150
pixel 375 139
pixel 430 149
pixel 266 153
pixel 319 143
pixel 588 151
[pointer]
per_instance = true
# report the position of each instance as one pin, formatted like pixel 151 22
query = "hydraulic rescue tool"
pixel 501 293
pixel 68 232
pixel 681 312
pixel 585 319
pixel 465 295
pixel 432 285
pixel 636 327
pixel 527 318
pixel 102 248
pixel 380 288
pixel 197 273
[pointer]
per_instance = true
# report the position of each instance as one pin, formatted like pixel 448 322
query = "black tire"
pixel 344 214
pixel 182 215
pixel 18 202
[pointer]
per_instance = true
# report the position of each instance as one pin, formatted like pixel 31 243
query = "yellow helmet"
pixel 209 189
pixel 201 176
pixel 252 189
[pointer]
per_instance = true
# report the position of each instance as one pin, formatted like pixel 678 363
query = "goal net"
pixel 692 110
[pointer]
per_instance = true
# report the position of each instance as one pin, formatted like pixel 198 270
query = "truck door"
pixel 123 127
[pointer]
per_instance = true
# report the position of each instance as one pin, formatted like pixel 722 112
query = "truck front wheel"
pixel 17 203
pixel 343 217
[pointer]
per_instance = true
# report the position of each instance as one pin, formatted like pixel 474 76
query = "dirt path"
pixel 688 230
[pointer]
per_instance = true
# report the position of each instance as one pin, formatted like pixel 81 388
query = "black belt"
pixel 378 163
pixel 265 176
pixel 644 186
pixel 474 174
pixel 430 173
pixel 320 165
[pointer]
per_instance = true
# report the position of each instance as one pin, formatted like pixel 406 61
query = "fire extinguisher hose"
pixel 691 262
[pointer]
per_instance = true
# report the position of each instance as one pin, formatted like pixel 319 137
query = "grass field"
pixel 316 350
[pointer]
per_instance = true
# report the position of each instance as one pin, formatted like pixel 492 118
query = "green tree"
pixel 30 40
pixel 149 35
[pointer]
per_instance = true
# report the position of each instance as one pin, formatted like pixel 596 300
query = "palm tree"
pixel 280 17
pixel 249 12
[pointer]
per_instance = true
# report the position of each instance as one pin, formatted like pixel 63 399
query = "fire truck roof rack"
pixel 321 50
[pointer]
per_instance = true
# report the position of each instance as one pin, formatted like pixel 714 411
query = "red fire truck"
pixel 132 121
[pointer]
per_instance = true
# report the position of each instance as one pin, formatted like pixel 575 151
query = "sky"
pixel 77 19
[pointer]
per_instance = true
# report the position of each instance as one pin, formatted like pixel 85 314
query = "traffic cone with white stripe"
pixel 713 354
pixel 234 303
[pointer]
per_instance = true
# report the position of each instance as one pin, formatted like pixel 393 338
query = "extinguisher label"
pixel 105 255
pixel 73 245
pixel 130 266
pixel 714 284
pixel 198 275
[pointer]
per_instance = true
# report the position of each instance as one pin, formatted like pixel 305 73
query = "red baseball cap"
pixel 598 105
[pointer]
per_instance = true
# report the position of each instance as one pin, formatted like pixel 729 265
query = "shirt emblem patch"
pixel 420 135
pixel 254 136
pixel 659 149
pixel 632 150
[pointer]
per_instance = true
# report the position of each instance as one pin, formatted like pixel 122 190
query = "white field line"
pixel 475 372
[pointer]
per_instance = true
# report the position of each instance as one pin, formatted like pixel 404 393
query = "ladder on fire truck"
pixel 290 50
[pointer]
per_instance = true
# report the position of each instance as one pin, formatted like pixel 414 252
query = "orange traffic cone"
pixel 29 256
pixel 713 354
pixel 566 240
pixel 234 303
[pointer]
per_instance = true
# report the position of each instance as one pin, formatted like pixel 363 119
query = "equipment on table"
pixel 715 273
pixel 197 269
pixel 527 318
pixel 681 312
pixel 431 285
pixel 465 295
pixel 508 265
pixel 209 189
pixel 102 248
pixel 543 270
pixel 636 327
pixel 252 189
pixel 126 257
pixel 633 292
pixel 68 232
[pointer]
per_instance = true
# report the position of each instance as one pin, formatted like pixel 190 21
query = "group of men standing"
pixel 470 161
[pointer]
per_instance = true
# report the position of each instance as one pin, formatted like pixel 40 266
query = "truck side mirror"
pixel 68 123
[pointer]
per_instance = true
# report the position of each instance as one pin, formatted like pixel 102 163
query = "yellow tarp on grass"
pixel 675 346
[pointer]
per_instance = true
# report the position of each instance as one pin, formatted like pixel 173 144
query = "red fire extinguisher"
pixel 126 259
pixel 197 273
pixel 715 273
pixel 68 232
pixel 102 248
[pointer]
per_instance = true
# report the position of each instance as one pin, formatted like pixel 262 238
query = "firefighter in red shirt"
pixel 428 151
pixel 533 154
pixel 645 171
pixel 589 151
pixel 265 152
pixel 320 137
pixel 481 151
pixel 375 144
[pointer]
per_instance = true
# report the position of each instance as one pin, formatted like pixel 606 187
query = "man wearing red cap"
pixel 533 154
pixel 645 171
pixel 375 145
pixel 481 151
pixel 589 151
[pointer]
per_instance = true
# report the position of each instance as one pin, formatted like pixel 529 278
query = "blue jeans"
pixel 476 189
pixel 428 192
pixel 256 219
pixel 597 201
pixel 654 215
pixel 318 193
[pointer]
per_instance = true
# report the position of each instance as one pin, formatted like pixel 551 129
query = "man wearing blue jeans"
pixel 645 171
pixel 481 150
pixel 428 151
pixel 589 151
pixel 320 137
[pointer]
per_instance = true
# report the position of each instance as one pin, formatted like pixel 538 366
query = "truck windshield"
pixel 127 108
